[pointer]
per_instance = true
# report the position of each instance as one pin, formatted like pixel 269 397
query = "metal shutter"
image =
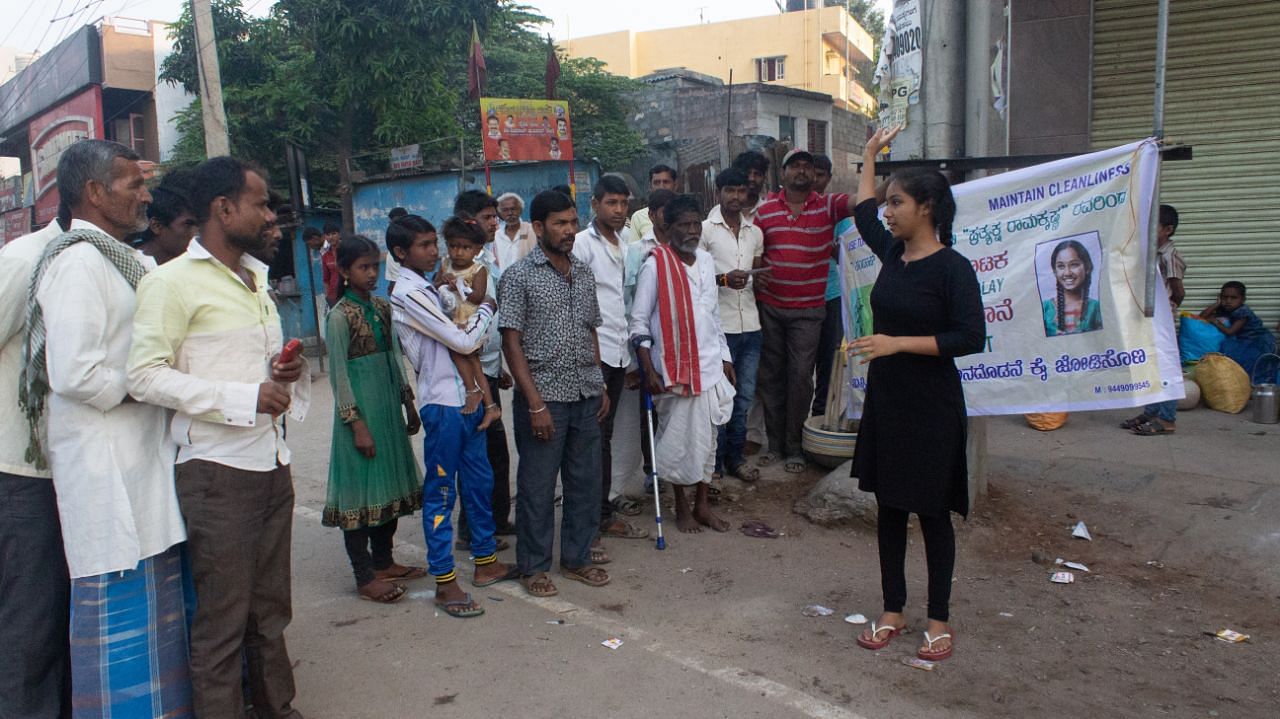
pixel 1222 95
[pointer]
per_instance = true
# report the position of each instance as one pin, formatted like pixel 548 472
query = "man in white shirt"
pixel 111 457
pixel 515 238
pixel 661 177
pixel 675 324
pixel 207 342
pixel 603 248
pixel 737 246
pixel 34 591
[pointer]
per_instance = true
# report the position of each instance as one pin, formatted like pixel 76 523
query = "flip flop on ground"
pixel 512 573
pixel 539 585
pixel 626 506
pixel 622 529
pixel 464 608
pixel 390 594
pixel 402 574
pixel 1135 421
pixel 874 641
pixel 598 556
pixel 766 459
pixel 590 576
pixel 744 472
pixel 1152 428
pixel 927 652
pixel 794 465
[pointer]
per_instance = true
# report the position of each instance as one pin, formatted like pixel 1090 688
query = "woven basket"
pixel 1224 385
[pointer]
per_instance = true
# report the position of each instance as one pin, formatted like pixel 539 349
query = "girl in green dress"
pixel 373 476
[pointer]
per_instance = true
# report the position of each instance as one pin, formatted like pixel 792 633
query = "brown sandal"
pixel 391 596
pixel 590 576
pixel 539 585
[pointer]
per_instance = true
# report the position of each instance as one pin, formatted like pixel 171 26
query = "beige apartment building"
pixel 817 49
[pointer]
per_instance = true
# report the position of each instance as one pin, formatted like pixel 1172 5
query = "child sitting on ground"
pixel 1247 338
pixel 466 282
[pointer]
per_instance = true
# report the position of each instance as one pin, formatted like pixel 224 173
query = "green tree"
pixel 336 77
pixel 346 79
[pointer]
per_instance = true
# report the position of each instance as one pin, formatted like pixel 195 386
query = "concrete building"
pixel 103 82
pixel 814 49
pixel 1074 76
pixel 697 124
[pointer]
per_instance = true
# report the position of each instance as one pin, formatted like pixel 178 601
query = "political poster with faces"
pixel 525 130
pixel 1060 254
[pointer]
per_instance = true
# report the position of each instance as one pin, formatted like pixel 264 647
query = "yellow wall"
pixel 716 48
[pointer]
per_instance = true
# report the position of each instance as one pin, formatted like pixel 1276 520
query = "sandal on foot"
pixel 590 576
pixel 877 644
pixel 512 573
pixel 1151 429
pixel 1135 421
pixel 598 556
pixel 928 653
pixel 463 608
pixel 409 573
pixel 744 472
pixel 391 596
pixel 622 529
pixel 539 585
pixel 794 465
pixel 766 459
pixel 626 506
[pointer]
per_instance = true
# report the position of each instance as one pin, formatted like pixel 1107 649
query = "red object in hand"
pixel 291 350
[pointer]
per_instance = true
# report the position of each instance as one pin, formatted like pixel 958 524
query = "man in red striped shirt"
pixel 799 240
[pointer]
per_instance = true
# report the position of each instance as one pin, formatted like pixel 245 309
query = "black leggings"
pixel 360 541
pixel 939 552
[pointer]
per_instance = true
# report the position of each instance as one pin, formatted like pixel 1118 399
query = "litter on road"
pixel 612 643
pixel 856 619
pixel 817 610
pixel 1075 565
pixel 1229 635
pixel 1081 531
pixel 918 663
pixel 1062 577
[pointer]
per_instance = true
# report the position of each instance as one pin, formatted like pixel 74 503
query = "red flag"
pixel 553 69
pixel 475 66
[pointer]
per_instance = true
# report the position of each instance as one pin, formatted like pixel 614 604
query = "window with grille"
pixel 138 134
pixel 787 128
pixel 817 137
pixel 769 69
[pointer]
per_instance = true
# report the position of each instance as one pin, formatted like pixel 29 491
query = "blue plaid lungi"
pixel 129 642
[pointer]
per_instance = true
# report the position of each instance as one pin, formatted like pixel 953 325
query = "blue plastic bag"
pixel 1196 338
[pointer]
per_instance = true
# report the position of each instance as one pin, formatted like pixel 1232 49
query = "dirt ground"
pixel 1185 541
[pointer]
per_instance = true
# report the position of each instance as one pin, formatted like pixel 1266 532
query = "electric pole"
pixel 216 142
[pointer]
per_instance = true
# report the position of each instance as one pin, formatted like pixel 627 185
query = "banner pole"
pixel 573 185
pixel 1153 224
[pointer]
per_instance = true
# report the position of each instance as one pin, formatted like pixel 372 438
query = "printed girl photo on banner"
pixel 1069 274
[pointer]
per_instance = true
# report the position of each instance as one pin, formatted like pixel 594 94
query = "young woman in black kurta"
pixel 927 310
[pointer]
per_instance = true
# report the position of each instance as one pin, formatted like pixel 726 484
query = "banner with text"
pixel 525 130
pixel 1059 250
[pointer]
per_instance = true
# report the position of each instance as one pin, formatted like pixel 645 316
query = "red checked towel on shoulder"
pixel 680 361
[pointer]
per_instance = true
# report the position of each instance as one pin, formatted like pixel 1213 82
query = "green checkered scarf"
pixel 33 387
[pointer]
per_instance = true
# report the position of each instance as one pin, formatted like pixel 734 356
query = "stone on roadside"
pixel 836 501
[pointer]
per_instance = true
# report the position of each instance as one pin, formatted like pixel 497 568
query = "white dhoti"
pixel 628 460
pixel 687 429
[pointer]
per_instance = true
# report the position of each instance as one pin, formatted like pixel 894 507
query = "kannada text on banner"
pixel 1059 250
pixel 525 130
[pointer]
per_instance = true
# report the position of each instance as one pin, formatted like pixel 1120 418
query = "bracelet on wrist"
pixel 491 405
pixel 538 411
